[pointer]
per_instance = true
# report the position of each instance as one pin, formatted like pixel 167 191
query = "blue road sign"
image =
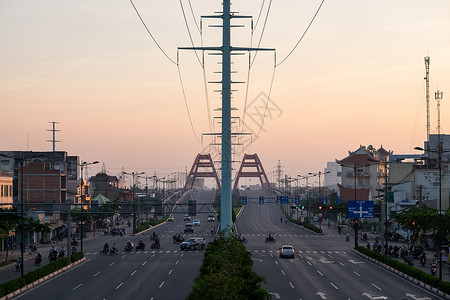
pixel 360 209
pixel 284 200
pixel 324 199
pixel 244 200
pixel 261 200
pixel 338 200
pixel 297 199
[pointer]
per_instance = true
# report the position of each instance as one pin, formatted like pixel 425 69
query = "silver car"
pixel 287 251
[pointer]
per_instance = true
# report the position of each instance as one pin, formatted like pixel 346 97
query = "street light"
pixel 82 165
pixel 355 167
pixel 134 175
pixel 439 152
pixel 307 193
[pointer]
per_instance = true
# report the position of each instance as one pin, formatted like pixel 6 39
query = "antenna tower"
pixel 427 93
pixel 226 50
pixel 54 141
pixel 438 95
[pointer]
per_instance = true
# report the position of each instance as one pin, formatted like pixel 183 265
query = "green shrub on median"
pixel 226 273
pixel 15 284
pixel 408 270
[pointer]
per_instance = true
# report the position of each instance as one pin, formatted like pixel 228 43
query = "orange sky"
pixel 356 78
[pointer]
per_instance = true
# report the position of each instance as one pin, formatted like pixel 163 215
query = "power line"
pixel 151 35
pixel 189 32
pixel 301 38
pixel 193 16
pixel 267 102
pixel 262 32
pixel 259 15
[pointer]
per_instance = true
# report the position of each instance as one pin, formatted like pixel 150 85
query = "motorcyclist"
pixel 129 245
pixel 114 249
pixel 347 237
pixel 140 244
pixel 270 237
pixel 155 234
pixel 105 248
pixel 156 241
pixel 18 264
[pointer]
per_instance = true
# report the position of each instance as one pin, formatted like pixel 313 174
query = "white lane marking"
pixel 112 263
pixel 133 273
pixel 376 286
pixel 153 255
pixel 309 263
pixel 162 283
pixel 334 285
pixel 276 263
pixel 168 251
pixel 123 256
pixel 170 272
pixel 320 273
pixel 342 264
pixel 177 262
pixel 88 253
pixel 97 273
pixel 146 252
pixel 283 272
pixel 300 255
pixel 277 296
pixel 292 286
pixel 144 262
pixel 117 287
pixel 76 287
pixel 356 273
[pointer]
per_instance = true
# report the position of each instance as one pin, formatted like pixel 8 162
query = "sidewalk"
pixel 44 249
pixel 371 238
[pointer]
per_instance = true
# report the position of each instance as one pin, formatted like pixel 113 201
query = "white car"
pixel 287 251
pixel 196 222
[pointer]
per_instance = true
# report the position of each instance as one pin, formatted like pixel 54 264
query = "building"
pixel 363 174
pixel 331 176
pixel 6 189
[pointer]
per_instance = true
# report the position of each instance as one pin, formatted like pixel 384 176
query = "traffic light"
pixel 330 207
pixel 320 207
pixel 303 207
pixel 355 225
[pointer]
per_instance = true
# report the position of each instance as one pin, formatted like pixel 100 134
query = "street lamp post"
pixel 306 177
pixel 439 152
pixel 82 165
pixel 134 175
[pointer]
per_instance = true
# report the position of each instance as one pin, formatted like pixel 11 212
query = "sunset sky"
pixel 357 78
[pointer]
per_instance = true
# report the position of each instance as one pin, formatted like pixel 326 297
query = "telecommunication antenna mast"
pixel 427 93
pixel 54 141
pixel 226 222
pixel 438 95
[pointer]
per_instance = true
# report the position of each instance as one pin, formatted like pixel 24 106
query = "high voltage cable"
pixel 189 32
pixel 193 16
pixel 185 102
pixel 262 32
pixel 146 28
pixel 259 15
pixel 301 38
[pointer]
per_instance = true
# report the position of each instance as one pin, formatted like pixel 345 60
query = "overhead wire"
pixel 262 32
pixel 304 33
pixel 193 16
pixel 151 35
pixel 189 32
pixel 259 16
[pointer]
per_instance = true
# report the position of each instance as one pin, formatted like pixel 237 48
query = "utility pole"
pixel 427 95
pixel 226 49
pixel 53 140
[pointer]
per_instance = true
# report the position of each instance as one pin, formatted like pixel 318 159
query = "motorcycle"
pixel 104 251
pixel 74 242
pixel 128 248
pixel 155 245
pixel 433 269
pixel 74 250
pixel 423 261
pixel 37 261
pixel 53 255
pixel 153 237
pixel 177 239
pixel 410 260
pixel 113 251
pixel 33 248
pixel 61 254
pixel 347 238
pixel 270 240
pixel 140 246
pixel 18 265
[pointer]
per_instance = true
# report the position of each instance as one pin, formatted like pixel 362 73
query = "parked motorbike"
pixel 410 260
pixel 433 269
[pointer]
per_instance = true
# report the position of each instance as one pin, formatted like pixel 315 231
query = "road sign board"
pixel 284 199
pixel 261 200
pixel 278 199
pixel 320 215
pixel 297 199
pixel 244 200
pixel 360 209
pixel 324 199
pixel 338 200
pixel 320 219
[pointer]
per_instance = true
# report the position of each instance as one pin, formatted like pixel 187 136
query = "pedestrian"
pixel 329 224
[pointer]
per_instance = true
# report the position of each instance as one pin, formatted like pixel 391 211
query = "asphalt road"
pixel 324 266
pixel 165 273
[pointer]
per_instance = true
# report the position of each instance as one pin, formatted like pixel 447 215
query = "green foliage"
pixel 411 271
pixel 143 226
pixel 15 284
pixel 418 219
pixel 312 227
pixel 226 273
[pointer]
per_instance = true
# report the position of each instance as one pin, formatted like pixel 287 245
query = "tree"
pixel 418 219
